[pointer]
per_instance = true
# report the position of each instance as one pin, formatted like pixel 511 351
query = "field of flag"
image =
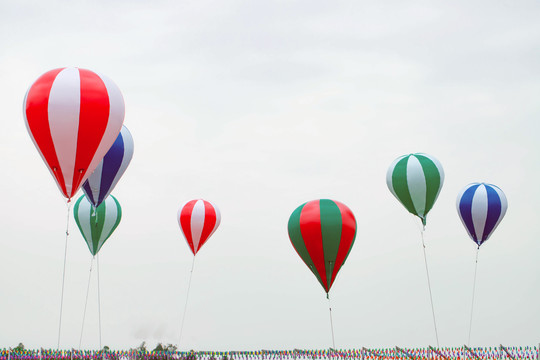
pixel 397 353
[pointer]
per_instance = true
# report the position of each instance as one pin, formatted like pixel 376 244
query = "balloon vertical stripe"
pixel 98 184
pixel 93 119
pixel 493 213
pixel 348 232
pixel 37 108
pixel 95 215
pixel 120 160
pixel 322 232
pixel 107 227
pixel 298 242
pixel 400 186
pixel 184 217
pixel 92 185
pixel 197 223
pixel 185 221
pixel 64 106
pixel 417 184
pixel 432 172
pixel 481 208
pixel 330 230
pixel 465 207
pixel 210 219
pixel 82 211
pixel 310 227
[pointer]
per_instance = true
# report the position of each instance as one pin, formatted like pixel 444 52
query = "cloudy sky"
pixel 260 106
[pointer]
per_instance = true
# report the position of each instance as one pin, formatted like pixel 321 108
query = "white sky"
pixel 259 107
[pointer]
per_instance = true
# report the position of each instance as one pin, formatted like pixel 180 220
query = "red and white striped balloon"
pixel 73 117
pixel 198 220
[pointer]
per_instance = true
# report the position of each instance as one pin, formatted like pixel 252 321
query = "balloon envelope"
pixel 416 181
pixel 323 233
pixel 481 208
pixel 198 220
pixel 97 225
pixel 73 117
pixel 109 171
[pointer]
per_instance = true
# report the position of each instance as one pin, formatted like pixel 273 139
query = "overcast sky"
pixel 260 106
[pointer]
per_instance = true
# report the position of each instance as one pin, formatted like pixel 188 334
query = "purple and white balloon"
pixel 103 180
pixel 481 208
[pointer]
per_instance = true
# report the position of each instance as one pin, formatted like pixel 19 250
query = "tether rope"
pixel 473 292
pixel 331 322
pixel 429 287
pixel 86 301
pixel 99 301
pixel 68 204
pixel 187 298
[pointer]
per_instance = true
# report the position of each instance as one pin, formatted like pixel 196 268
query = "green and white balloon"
pixel 416 180
pixel 97 225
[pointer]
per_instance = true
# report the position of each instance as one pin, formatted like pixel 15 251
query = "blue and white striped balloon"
pixel 481 208
pixel 103 180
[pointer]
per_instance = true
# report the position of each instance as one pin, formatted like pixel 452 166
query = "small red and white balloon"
pixel 198 220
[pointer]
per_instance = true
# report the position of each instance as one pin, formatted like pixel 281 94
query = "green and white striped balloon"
pixel 416 180
pixel 97 225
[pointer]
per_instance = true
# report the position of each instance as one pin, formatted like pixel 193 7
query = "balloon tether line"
pixel 99 301
pixel 68 204
pixel 331 322
pixel 429 285
pixel 187 298
pixel 86 301
pixel 473 291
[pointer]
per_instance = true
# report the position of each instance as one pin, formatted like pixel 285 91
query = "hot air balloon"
pixel 97 225
pixel 416 180
pixel 73 117
pixel 103 180
pixel 481 208
pixel 198 220
pixel 322 232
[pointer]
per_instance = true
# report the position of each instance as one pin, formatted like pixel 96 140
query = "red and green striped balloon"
pixel 322 233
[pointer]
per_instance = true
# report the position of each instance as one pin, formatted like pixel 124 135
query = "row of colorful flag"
pixel 460 353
